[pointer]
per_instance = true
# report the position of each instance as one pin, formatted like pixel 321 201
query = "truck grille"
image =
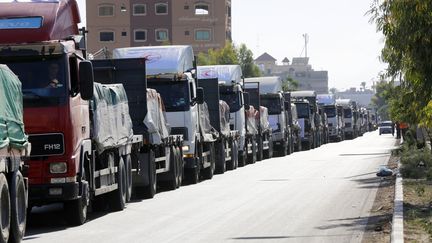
pixel 46 144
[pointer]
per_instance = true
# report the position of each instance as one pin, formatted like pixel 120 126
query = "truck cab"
pixel 334 122
pixel 307 123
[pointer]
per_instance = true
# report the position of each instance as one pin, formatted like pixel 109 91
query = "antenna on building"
pixel 306 39
pixel 258 44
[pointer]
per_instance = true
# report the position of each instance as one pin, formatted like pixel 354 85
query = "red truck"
pixel 74 158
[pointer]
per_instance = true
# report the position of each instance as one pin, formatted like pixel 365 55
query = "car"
pixel 386 127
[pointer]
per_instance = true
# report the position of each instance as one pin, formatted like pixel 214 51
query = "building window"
pixel 161 9
pixel 201 9
pixel 186 7
pixel 124 33
pixel 202 35
pixel 187 32
pixel 139 9
pixel 161 34
pixel 140 35
pixel 106 36
pixel 106 10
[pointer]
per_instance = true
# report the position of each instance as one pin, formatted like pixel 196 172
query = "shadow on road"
pixel 374 182
pixel 355 224
pixel 288 237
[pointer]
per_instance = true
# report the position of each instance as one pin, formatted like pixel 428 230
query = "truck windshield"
pixel 232 99
pixel 44 81
pixel 347 113
pixel 302 110
pixel 273 105
pixel 175 95
pixel 330 111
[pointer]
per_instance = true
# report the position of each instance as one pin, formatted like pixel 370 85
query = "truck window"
pixel 330 111
pixel 232 99
pixel 347 113
pixel 273 105
pixel 175 95
pixel 73 69
pixel 303 110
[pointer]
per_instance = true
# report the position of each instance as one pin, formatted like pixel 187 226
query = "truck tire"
pixel 209 171
pixel 5 209
pixel 179 160
pixel 149 191
pixel 260 152
pixel 18 207
pixel 242 157
pixel 233 163
pixel 173 172
pixel 253 157
pixel 76 210
pixel 118 197
pixel 128 165
pixel 220 157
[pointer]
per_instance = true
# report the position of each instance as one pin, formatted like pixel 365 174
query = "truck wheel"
pixel 76 210
pixel 220 157
pixel 209 171
pixel 260 149
pixel 179 162
pixel 128 164
pixel 118 197
pixel 18 207
pixel 172 178
pixel 242 157
pixel 253 157
pixel 149 191
pixel 5 205
pixel 235 154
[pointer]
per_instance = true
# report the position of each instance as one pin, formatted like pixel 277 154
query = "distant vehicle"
pixel 385 127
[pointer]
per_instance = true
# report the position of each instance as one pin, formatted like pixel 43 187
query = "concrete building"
pixel 204 24
pixel 299 69
pixel 362 97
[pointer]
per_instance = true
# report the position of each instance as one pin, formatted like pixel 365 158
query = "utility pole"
pixel 306 39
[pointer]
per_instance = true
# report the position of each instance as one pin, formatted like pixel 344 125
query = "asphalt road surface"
pixel 322 195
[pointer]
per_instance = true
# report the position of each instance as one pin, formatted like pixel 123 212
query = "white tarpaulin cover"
pixel 226 73
pixel 224 111
pixel 206 128
pixel 112 125
pixel 160 59
pixel 268 85
pixel 251 115
pixel 155 119
pixel 264 118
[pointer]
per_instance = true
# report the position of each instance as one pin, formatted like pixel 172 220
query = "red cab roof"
pixel 25 21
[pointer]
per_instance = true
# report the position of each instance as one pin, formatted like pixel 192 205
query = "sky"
pixel 341 39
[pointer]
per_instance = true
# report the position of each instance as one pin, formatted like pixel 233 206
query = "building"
pixel 204 24
pixel 299 69
pixel 362 97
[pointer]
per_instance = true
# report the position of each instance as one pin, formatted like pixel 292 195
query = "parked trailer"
pixel 69 162
pixel 264 136
pixel 170 71
pixel 159 158
pixel 272 98
pixel 14 147
pixel 227 139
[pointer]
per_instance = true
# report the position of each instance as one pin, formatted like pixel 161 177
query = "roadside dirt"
pixel 378 228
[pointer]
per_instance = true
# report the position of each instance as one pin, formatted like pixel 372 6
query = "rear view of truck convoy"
pixel 170 71
pixel 14 147
pixel 78 152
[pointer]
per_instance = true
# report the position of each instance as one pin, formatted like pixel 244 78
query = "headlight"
pixel 185 148
pixel 58 168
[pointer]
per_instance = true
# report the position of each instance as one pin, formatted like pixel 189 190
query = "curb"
pixel 397 234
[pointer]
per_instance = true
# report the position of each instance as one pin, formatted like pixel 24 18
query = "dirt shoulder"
pixel 379 226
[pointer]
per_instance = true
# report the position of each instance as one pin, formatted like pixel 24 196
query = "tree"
pixel 247 64
pixel 363 85
pixel 333 90
pixel 290 84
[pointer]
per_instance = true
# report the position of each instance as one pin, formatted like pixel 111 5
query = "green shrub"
pixel 416 163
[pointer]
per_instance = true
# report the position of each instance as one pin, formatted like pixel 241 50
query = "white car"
pixel 386 127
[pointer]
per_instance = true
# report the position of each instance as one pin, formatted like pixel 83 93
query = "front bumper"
pixel 40 194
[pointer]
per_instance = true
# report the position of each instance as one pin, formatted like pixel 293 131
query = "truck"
pixel 335 126
pixel 265 136
pixel 159 159
pixel 306 122
pixel 227 139
pixel 348 117
pixel 14 148
pixel 77 149
pixel 231 90
pixel 271 97
pixel 311 96
pixel 171 71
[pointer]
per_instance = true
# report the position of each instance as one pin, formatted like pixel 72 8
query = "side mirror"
pixel 246 101
pixel 200 95
pixel 86 80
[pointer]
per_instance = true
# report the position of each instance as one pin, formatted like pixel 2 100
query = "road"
pixel 322 195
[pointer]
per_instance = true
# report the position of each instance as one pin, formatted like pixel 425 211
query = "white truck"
pixel 273 99
pixel 348 117
pixel 335 124
pixel 171 72
pixel 14 147
pixel 227 139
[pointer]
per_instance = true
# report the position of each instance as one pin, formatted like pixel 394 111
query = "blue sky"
pixel 341 39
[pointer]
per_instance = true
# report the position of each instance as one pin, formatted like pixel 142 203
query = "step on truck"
pixel 159 158
pixel 264 137
pixel 171 72
pixel 272 97
pixel 14 148
pixel 232 92
pixel 78 141
pixel 226 146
